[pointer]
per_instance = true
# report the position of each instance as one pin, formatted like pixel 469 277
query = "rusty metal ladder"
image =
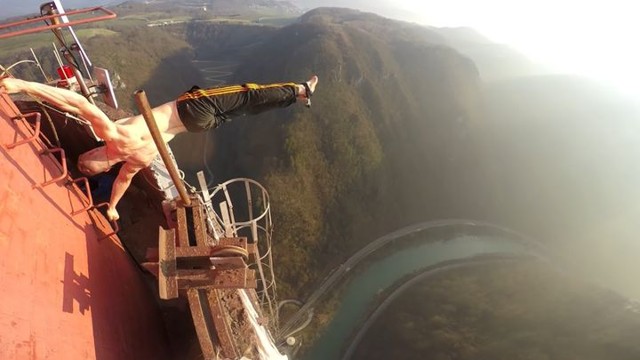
pixel 203 271
pixel 34 139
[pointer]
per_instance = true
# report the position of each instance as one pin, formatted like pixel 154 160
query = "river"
pixel 362 292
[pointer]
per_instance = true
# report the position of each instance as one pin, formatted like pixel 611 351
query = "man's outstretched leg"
pixel 204 109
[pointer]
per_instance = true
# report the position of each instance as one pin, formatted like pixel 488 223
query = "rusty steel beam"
pixel 223 329
pixel 199 226
pixel 183 231
pixel 202 321
pixel 167 279
pixel 216 279
pixel 210 251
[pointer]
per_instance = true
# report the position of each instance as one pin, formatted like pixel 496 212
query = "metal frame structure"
pixel 257 227
pixel 108 15
pixel 32 134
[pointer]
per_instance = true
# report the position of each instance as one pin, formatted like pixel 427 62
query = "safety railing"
pixel 114 224
pixel 32 134
pixel 63 163
pixel 108 14
pixel 87 194
pixel 31 139
pixel 36 129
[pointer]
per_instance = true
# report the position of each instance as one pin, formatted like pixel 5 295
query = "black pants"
pixel 203 109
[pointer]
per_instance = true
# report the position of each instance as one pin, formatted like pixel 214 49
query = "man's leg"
pixel 265 97
pixel 203 109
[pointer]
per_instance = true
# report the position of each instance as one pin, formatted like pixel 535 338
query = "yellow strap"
pixel 229 90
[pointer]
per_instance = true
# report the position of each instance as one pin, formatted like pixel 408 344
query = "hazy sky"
pixel 588 37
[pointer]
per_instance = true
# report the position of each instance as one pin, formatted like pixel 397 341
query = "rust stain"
pixel 9 200
pixel 4 239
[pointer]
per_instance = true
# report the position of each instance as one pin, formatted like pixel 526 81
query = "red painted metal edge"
pixel 114 224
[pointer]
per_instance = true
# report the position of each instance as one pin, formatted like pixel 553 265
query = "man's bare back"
pixel 133 143
pixel 128 139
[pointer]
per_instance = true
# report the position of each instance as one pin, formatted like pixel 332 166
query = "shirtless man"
pixel 128 139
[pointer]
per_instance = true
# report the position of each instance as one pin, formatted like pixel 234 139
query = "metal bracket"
pixel 63 162
pixel 114 224
pixel 87 193
pixel 36 130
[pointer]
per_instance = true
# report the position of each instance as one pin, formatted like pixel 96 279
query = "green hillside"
pixel 137 57
pixel 523 311
pixel 378 144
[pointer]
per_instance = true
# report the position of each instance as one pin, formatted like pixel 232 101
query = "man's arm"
pixel 65 100
pixel 120 185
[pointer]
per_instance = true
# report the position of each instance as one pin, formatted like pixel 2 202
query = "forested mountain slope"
pixel 516 311
pixel 381 146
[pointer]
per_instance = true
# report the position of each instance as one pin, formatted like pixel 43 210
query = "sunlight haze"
pixel 592 38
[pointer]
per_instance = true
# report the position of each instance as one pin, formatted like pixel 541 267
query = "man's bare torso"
pixel 134 143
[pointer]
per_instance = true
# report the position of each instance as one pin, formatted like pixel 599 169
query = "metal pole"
pixel 46 78
pixel 109 15
pixel 70 60
pixel 78 74
pixel 145 110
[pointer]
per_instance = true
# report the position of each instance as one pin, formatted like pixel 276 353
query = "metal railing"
pixel 108 14
pixel 256 225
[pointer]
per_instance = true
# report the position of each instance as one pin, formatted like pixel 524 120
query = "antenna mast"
pixel 50 9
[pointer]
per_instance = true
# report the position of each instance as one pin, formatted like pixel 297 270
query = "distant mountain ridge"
pixel 228 7
pixel 16 8
pixel 22 8
pixel 386 8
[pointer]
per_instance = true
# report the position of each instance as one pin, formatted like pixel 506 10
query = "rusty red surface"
pixel 65 294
